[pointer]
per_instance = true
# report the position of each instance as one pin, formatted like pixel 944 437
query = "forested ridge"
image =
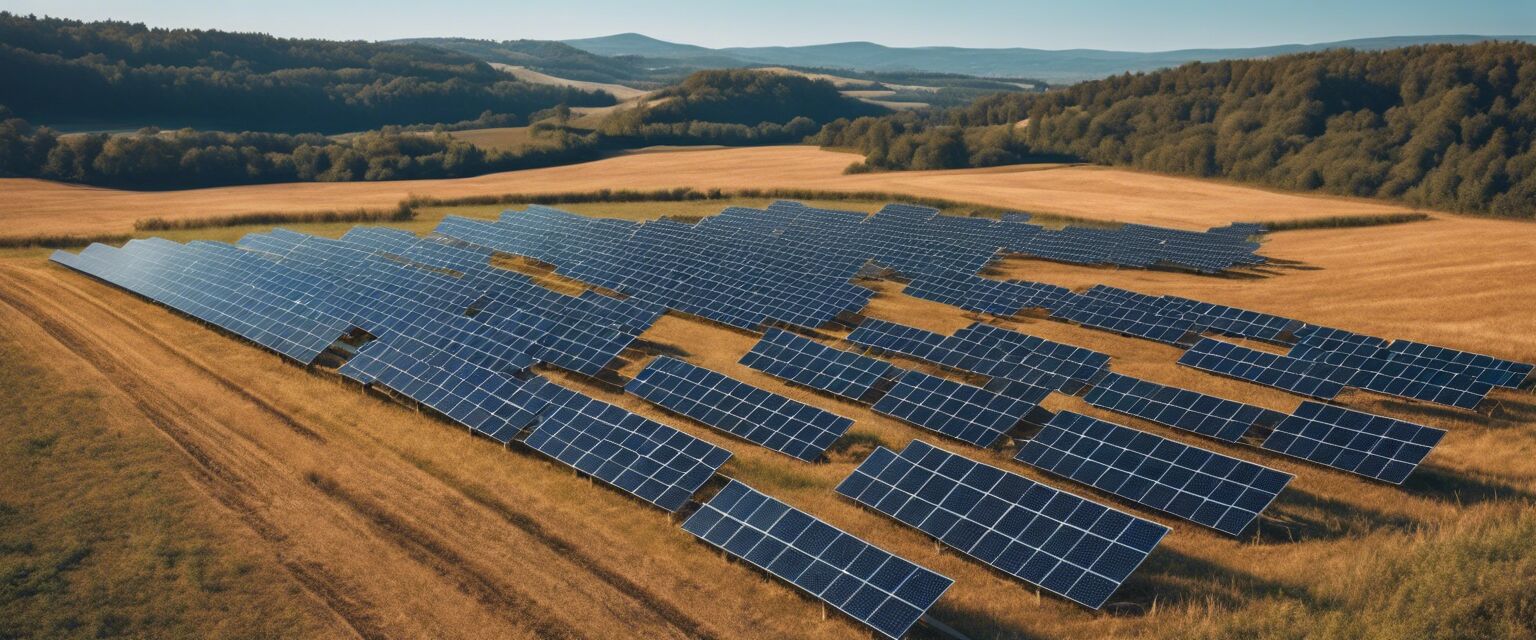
pixel 735 106
pixel 152 159
pixel 58 69
pixel 1444 126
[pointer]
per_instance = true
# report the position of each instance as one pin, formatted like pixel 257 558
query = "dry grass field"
pixel 525 74
pixel 30 207
pixel 294 504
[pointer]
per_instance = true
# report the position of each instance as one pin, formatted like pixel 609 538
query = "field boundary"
pixel 687 194
pixel 1344 222
pixel 400 213
pixel 61 241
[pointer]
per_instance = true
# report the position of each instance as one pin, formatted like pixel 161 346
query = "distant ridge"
pixel 1066 65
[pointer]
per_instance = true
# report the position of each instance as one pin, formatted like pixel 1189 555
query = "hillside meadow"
pixel 324 510
pixel 32 207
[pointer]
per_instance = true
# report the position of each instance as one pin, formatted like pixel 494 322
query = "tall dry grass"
pixel 100 535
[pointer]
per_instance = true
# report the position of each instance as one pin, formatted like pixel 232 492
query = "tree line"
pixel 734 107
pixel 1441 126
pixel 153 159
pixel 60 69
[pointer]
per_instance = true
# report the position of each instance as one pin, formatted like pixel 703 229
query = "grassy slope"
pixel 1448 555
pixel 101 535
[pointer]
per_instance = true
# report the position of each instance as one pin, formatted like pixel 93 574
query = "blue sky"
pixel 1133 25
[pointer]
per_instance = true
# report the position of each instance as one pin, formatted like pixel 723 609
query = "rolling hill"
pixel 1056 66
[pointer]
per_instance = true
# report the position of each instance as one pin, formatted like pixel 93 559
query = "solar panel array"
pixel 957 410
pixel 1179 408
pixel 432 320
pixel 1070 546
pixel 1204 487
pixel 1114 315
pixel 1410 369
pixel 1140 246
pixel 972 292
pixel 1354 441
pixel 791 263
pixel 653 461
pixel 809 363
pixel 1170 319
pixel 869 584
pixel 1019 357
pixel 896 338
pixel 1486 369
pixel 1314 379
pixel 761 417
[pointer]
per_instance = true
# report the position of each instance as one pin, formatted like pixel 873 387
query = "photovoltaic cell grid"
pixel 1400 369
pixel 653 461
pixel 1305 377
pixel 806 362
pixel 1353 441
pixel 1204 487
pixel 1488 369
pixel 957 410
pixel 1179 408
pixel 1382 374
pixel 869 584
pixel 740 409
pixel 1070 546
pixel 896 338
pixel 1010 355
pixel 1129 320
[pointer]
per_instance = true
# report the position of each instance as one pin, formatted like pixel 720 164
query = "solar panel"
pixel 1020 357
pixel 1305 377
pixel 1179 408
pixel 1320 343
pixel 1354 441
pixel 869 584
pixel 1070 546
pixel 806 362
pixel 1410 380
pixel 653 461
pixel 1495 371
pixel 740 409
pixel 895 338
pixel 1128 319
pixel 1204 487
pixel 957 410
pixel 1242 322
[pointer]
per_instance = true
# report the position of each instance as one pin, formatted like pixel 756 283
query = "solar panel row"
pixel 1204 487
pixel 653 461
pixel 869 584
pixel 745 411
pixel 957 410
pixel 806 362
pixel 1068 545
pixel 1354 441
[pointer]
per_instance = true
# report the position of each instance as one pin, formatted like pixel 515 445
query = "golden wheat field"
pixel 162 476
pixel 31 207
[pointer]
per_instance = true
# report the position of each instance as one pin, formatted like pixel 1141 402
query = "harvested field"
pixel 387 523
pixel 31 207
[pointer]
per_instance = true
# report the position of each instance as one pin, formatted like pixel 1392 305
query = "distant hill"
pixel 54 70
pixel 555 58
pixel 1451 127
pixel 1060 66
pixel 660 64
